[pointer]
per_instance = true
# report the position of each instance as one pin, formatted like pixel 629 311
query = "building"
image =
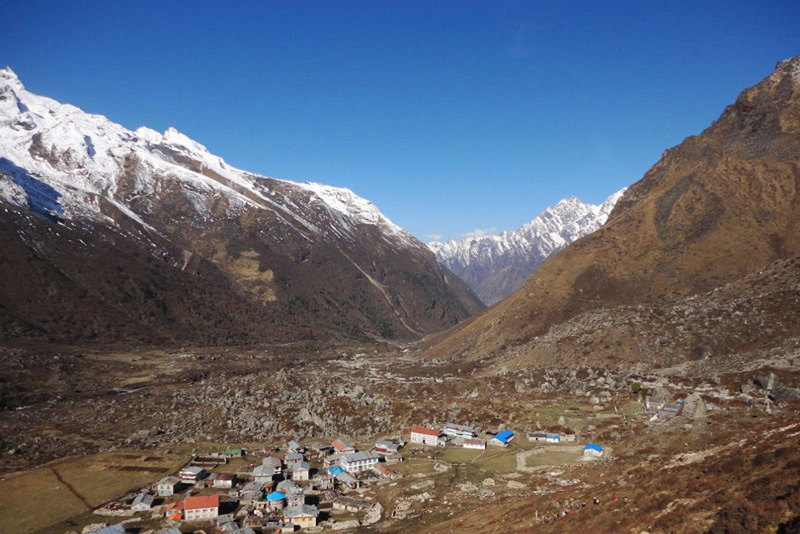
pixel 251 492
pixel 295 446
pixel 192 473
pixel 387 446
pixel 552 438
pixel 170 530
pixel 322 482
pixel 347 480
pixel 384 471
pixel 233 453
pixel 293 458
pixel 568 437
pixel 502 438
pixel 330 461
pixel 224 480
pixel 276 501
pixel 168 486
pixel 474 444
pixel 174 511
pixel 293 492
pixel 301 471
pixel 593 450
pixel 142 503
pixel 537 436
pixel 358 461
pixel 459 431
pixel 343 447
pixel 201 507
pixel 302 515
pixel 427 436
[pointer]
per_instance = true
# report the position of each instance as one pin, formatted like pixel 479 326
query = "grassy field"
pixel 35 499
pixel 38 498
pixel 553 457
pixel 455 454
pixel 502 462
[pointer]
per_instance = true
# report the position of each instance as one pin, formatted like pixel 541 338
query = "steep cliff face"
pixel 167 241
pixel 716 208
pixel 495 266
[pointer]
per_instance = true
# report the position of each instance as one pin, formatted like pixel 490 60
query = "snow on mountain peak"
pixel 174 137
pixel 480 260
pixel 9 77
pixel 81 156
pixel 358 209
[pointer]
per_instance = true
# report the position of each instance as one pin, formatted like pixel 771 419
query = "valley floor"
pixel 82 427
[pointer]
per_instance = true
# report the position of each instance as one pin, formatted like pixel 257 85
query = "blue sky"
pixel 452 117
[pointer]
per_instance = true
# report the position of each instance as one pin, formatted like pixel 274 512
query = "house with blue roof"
pixel 336 470
pixel 502 438
pixel 593 450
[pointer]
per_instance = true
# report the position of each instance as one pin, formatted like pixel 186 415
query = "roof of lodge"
pixel 202 501
pixel 426 431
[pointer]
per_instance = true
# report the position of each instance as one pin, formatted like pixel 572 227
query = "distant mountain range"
pixel 495 266
pixel 109 234
pixel 700 259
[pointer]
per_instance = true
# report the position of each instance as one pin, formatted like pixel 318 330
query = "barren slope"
pixel 715 208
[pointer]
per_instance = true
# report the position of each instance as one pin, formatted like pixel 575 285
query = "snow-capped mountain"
pixel 305 255
pixel 495 266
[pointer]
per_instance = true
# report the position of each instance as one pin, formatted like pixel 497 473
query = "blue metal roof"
pixel 504 435
pixel 276 496
pixel 593 446
pixel 336 470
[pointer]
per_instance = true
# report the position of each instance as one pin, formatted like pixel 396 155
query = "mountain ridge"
pixel 311 257
pixel 715 209
pixel 494 266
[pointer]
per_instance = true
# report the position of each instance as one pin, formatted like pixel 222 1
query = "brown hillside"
pixel 720 205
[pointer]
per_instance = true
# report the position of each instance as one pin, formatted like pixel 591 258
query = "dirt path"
pixel 71 488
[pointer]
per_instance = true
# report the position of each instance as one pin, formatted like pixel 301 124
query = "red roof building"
pixel 201 507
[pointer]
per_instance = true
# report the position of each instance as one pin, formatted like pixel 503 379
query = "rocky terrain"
pixel 718 212
pixel 736 429
pixel 110 234
pixel 495 266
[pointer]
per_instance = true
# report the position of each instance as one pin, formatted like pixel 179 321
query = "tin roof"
pixel 504 435
pixel 593 447
pixel 276 496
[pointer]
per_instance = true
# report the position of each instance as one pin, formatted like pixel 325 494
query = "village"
pixel 370 445
pixel 293 487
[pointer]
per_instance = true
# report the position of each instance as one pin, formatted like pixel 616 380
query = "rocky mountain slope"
pixel 110 234
pixel 495 266
pixel 714 211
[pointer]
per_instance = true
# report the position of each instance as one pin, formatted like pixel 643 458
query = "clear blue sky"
pixel 449 116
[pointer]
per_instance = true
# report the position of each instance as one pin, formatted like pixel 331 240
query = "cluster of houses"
pixel 271 496
pixel 462 435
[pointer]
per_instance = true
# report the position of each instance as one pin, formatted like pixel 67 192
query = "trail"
pixel 71 488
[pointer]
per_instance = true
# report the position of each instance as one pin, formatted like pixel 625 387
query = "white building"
pixel 459 431
pixel 142 503
pixel 358 461
pixel 474 444
pixel 201 507
pixel 300 471
pixel 427 436
pixel 167 486
pixel 192 473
